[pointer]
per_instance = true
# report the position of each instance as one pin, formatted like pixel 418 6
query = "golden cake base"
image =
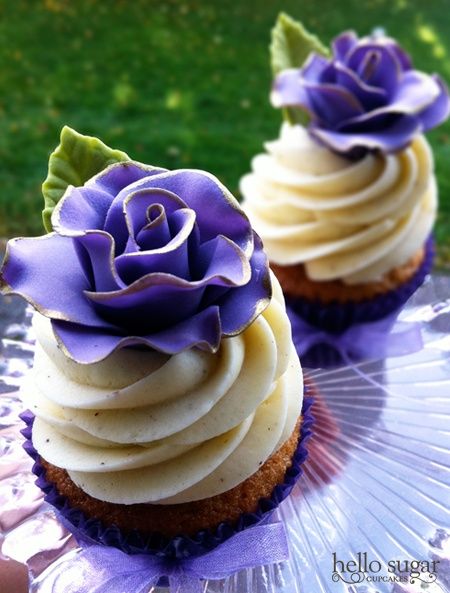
pixel 186 518
pixel 295 283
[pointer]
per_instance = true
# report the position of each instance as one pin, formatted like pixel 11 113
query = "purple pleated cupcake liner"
pixel 91 530
pixel 335 318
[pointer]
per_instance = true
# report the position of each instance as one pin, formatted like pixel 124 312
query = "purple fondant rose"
pixel 367 96
pixel 142 255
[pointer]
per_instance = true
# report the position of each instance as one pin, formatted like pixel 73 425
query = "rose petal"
pixel 439 110
pixel 241 306
pixel 333 104
pixel 415 92
pixel 172 297
pixel 375 120
pixel 156 233
pixel 88 345
pixel 314 67
pixel 172 258
pixel 195 188
pixel 120 175
pixel 376 65
pixel 328 75
pixel 131 246
pixel 80 209
pixel 288 91
pixel 112 181
pixel 202 330
pixel 405 106
pixel 136 208
pixel 387 132
pixel 327 102
pixel 221 259
pixel 400 54
pixel 150 303
pixel 96 252
pixel 132 266
pixel 370 97
pixel 218 212
pixel 382 40
pixel 343 43
pixel 33 268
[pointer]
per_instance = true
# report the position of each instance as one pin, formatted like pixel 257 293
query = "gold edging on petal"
pixel 132 341
pixel 138 164
pixel 260 306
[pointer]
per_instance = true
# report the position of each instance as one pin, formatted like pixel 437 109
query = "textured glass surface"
pixel 376 485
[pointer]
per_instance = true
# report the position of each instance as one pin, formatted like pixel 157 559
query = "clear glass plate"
pixel 376 489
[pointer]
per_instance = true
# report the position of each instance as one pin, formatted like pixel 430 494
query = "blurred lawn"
pixel 173 83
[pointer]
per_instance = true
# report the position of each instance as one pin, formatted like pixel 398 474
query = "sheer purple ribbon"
pixel 103 569
pixel 378 339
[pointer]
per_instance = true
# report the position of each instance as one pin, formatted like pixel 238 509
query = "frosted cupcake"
pixel 166 391
pixel 346 198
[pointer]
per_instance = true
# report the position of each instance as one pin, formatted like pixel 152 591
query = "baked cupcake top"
pixel 348 189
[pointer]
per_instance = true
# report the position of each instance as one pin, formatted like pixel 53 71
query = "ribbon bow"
pixel 102 569
pixel 378 339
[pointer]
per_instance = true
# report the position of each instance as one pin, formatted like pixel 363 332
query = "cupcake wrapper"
pixel 335 318
pixel 91 530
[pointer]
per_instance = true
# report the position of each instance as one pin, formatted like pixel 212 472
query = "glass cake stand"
pixel 370 515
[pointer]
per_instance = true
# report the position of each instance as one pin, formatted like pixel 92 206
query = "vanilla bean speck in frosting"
pixel 348 220
pixel 143 426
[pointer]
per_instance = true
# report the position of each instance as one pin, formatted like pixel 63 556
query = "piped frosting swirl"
pixel 142 426
pixel 344 220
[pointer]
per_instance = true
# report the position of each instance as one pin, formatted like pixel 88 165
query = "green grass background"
pixel 173 83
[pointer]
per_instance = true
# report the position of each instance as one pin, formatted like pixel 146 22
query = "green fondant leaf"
pixel 290 47
pixel 291 44
pixel 73 162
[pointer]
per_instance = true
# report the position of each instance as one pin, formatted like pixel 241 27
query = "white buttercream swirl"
pixel 142 426
pixel 348 220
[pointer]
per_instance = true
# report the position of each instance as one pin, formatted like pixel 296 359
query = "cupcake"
pixel 166 394
pixel 346 198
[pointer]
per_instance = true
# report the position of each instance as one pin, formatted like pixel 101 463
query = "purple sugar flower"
pixel 143 256
pixel 366 97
